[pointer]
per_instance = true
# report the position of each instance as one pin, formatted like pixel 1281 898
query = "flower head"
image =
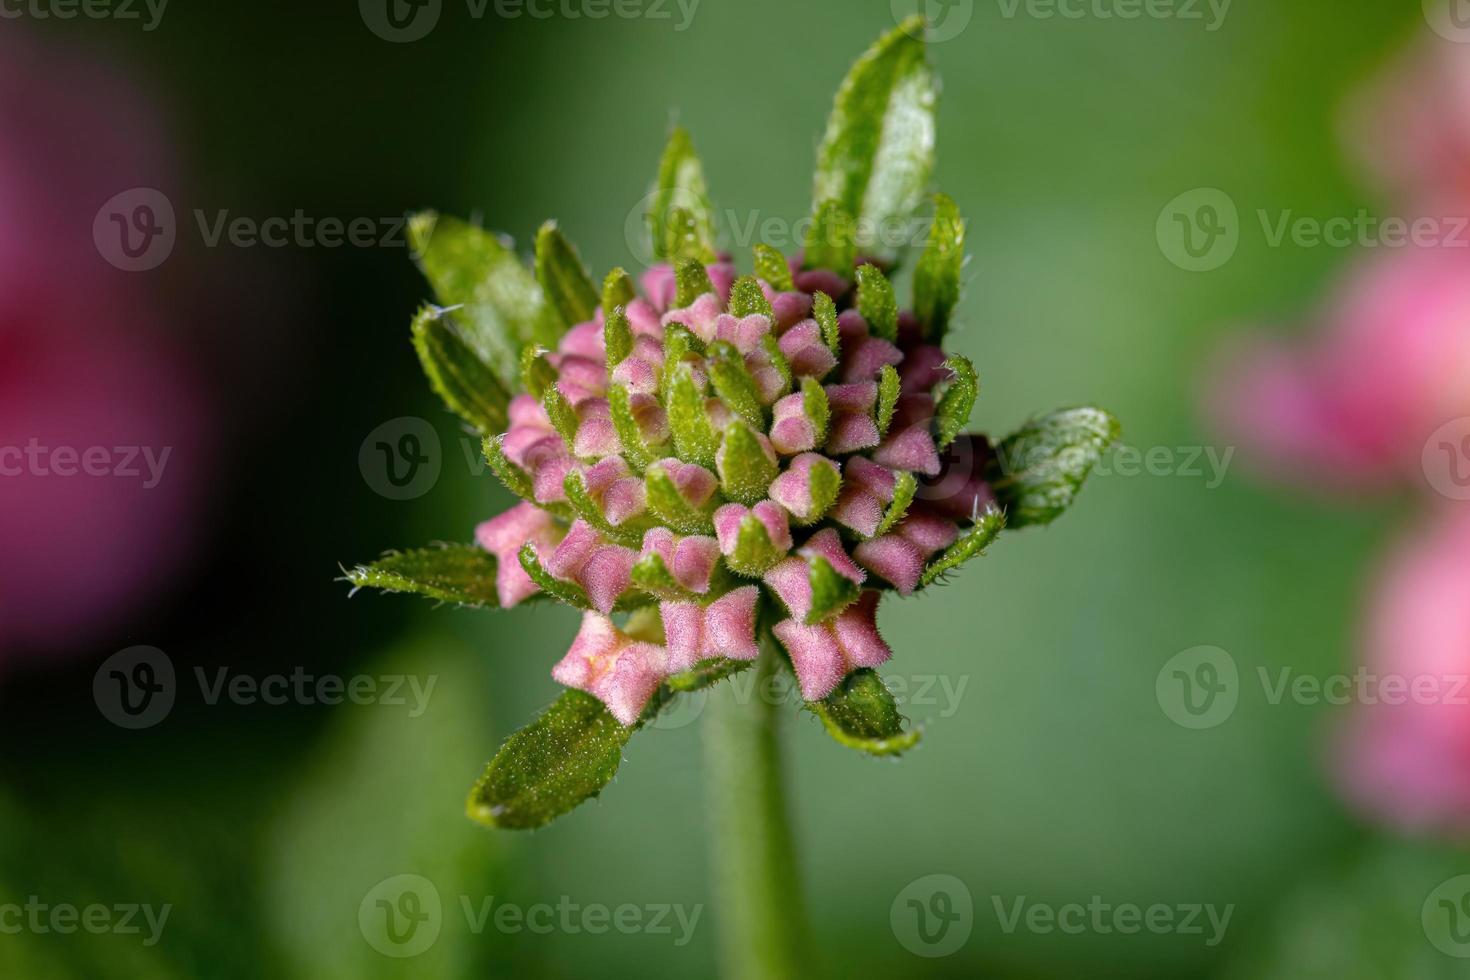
pixel 736 462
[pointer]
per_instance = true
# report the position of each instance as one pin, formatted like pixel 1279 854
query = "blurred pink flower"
pixel 1408 764
pixel 1352 407
pixel 102 417
pixel 1409 127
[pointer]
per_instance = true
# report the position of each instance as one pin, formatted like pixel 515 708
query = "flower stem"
pixel 762 924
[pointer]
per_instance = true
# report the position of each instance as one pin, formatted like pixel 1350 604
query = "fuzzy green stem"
pixel 761 920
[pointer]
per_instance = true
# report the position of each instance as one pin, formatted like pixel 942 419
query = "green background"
pixel 1057 778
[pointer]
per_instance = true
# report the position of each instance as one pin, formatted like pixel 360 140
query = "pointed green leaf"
pixel 824 311
pixel 679 343
pixel 831 243
pixel 586 508
pixel 772 266
pixel 889 389
pixel 652 575
pixel 747 297
pixel 816 407
pixel 468 385
pixel 462 573
pixel 564 280
pixel 551 766
pixel 670 506
pixel 516 480
pixel 825 484
pixel 877 303
pixel 973 542
pixel 831 592
pixel 878 151
pixel 502 305
pixel 689 424
pixel 537 374
pixel 754 553
pixel 617 290
pixel 617 337
pixel 630 436
pixel 953 413
pixel 937 276
pixel 744 468
pixel 567 592
pixel 862 714
pixel 904 487
pixel 682 220
pixel 733 383
pixel 1038 470
pixel 691 280
pixel 563 416
pixel 706 673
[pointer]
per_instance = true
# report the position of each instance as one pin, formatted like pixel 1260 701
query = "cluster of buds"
pixel 719 468
pixel 717 445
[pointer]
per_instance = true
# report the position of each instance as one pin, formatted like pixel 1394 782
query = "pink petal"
pixel 694 562
pixel 574 551
pixel 894 558
pixel 862 359
pixel 856 629
pixel 584 341
pixel 790 308
pixel 850 431
pixel 729 625
pixel 909 449
pixel 790 579
pixel 815 655
pixel 828 544
pixel 744 333
pixel 792 489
